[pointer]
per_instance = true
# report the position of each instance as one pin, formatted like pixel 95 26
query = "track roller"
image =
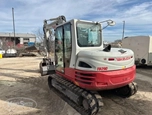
pixel 127 90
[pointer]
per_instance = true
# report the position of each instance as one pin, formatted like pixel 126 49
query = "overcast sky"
pixel 29 15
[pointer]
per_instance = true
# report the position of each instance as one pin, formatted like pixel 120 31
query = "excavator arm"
pixel 47 65
pixel 48 30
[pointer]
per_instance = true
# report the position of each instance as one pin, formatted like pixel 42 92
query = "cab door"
pixel 59 56
pixel 63 47
pixel 67 44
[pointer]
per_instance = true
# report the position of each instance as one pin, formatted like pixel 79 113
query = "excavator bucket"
pixel 47 67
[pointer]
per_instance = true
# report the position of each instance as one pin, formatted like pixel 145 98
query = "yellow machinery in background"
pixel 1 55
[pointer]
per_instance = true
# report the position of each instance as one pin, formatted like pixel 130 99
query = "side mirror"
pixel 111 23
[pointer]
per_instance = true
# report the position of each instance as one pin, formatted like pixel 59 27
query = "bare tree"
pixel 39 35
pixel 42 42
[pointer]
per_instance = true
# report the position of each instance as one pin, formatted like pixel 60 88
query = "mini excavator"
pixel 82 66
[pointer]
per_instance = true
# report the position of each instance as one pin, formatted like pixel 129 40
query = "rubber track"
pixel 133 87
pixel 93 98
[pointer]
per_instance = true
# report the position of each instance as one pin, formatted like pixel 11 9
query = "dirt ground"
pixel 21 83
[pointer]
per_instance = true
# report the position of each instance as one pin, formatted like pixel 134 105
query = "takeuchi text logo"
pixel 123 58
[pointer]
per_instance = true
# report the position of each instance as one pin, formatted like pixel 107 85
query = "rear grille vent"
pixel 85 78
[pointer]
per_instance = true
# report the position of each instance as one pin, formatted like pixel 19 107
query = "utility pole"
pixel 13 25
pixel 123 30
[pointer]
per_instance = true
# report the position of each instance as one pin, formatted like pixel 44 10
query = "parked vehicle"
pixel 10 53
pixel 2 51
pixel 142 48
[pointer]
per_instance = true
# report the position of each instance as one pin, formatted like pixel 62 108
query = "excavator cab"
pixel 72 36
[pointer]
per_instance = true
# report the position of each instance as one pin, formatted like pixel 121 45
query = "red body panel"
pixel 100 80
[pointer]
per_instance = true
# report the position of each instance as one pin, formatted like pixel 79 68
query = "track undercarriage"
pixel 84 101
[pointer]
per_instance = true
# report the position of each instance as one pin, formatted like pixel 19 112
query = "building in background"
pixel 7 40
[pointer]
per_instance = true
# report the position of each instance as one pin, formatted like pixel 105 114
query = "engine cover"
pixel 99 60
